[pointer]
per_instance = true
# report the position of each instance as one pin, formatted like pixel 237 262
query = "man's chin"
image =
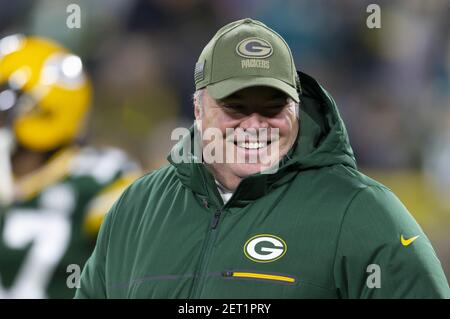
pixel 244 170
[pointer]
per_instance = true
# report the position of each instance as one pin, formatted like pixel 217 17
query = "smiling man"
pixel 255 128
pixel 291 217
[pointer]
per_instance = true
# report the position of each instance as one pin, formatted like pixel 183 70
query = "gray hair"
pixel 296 107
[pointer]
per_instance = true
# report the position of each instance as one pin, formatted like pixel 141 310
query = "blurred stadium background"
pixel 392 84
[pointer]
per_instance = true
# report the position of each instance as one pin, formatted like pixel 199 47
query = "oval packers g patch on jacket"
pixel 265 248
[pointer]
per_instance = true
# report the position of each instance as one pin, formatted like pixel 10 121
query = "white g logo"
pixel 265 248
pixel 254 48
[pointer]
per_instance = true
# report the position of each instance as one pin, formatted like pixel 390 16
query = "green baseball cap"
pixel 243 54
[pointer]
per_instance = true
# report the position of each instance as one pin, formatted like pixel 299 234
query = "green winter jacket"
pixel 317 228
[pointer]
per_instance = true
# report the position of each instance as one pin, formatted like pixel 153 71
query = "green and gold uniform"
pixel 53 222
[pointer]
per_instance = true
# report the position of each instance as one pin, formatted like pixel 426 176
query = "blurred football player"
pixel 53 191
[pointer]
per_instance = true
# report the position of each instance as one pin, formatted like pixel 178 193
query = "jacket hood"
pixel 323 138
pixel 322 141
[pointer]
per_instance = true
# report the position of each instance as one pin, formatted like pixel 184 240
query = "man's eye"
pixel 234 108
pixel 274 109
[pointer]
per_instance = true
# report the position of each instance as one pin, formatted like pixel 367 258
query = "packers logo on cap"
pixel 246 53
pixel 255 48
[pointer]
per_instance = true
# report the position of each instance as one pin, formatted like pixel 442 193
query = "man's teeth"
pixel 252 145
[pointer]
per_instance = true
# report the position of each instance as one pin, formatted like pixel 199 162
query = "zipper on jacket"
pixel 216 218
pixel 255 275
pixel 206 252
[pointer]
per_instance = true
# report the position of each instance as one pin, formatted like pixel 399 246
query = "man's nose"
pixel 254 120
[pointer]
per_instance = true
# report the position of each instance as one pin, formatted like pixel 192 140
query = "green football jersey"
pixel 50 229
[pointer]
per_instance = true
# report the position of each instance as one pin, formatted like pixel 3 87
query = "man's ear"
pixel 197 111
pixel 198 106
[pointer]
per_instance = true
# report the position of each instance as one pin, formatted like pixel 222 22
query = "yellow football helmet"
pixel 44 92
